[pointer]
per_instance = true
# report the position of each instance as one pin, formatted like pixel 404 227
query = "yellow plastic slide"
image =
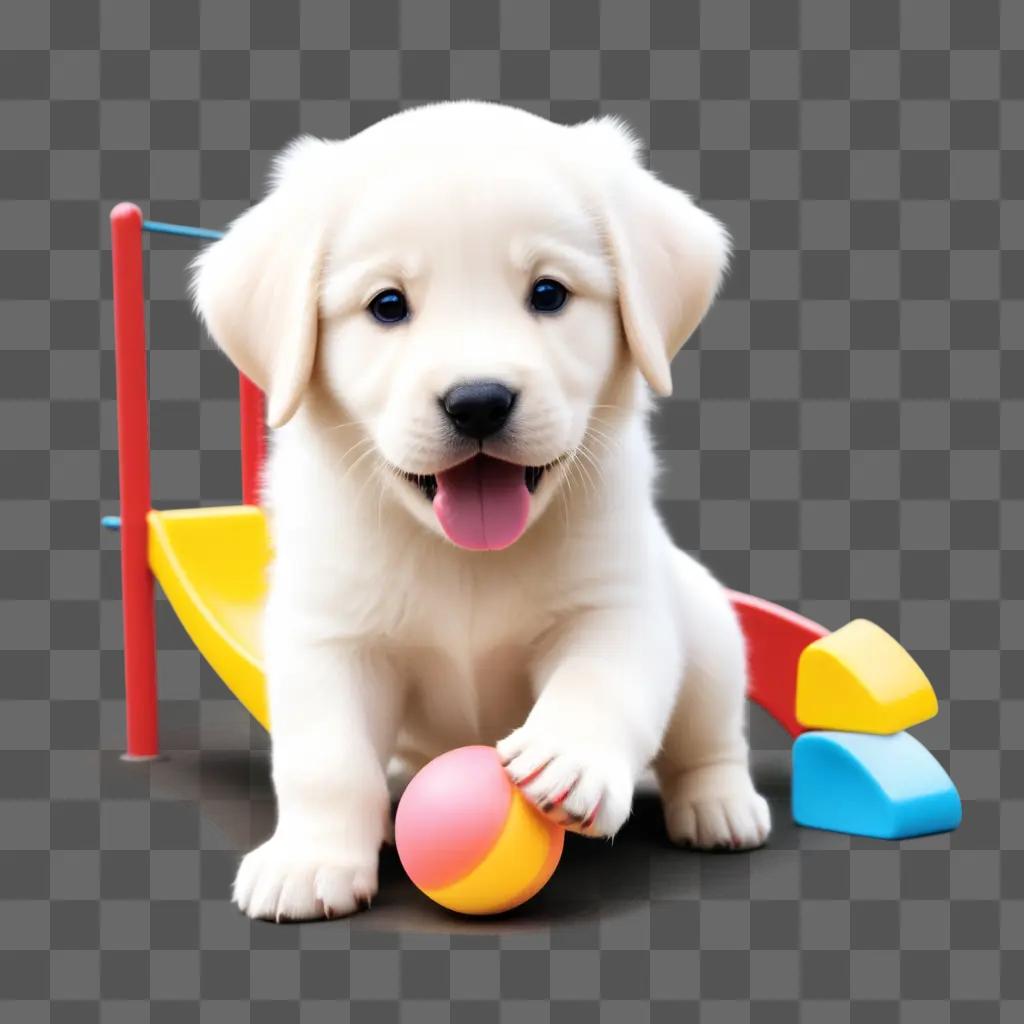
pixel 211 563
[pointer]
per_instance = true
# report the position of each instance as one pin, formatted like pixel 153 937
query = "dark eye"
pixel 389 307
pixel 548 296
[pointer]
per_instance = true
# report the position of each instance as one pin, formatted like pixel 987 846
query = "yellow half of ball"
pixel 523 858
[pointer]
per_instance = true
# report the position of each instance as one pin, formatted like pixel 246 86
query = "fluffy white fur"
pixel 591 648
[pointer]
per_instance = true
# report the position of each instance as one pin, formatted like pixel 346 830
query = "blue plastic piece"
pixel 888 787
pixel 111 522
pixel 160 228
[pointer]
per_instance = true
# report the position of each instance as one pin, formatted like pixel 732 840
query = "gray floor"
pixel 132 916
pixel 597 881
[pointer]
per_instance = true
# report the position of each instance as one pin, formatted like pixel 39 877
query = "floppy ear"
pixel 257 288
pixel 669 255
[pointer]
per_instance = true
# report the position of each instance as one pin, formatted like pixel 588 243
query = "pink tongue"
pixel 482 504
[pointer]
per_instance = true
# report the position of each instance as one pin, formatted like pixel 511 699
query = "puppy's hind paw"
pixel 715 808
pixel 580 786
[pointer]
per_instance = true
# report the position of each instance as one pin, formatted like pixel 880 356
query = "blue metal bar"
pixel 158 227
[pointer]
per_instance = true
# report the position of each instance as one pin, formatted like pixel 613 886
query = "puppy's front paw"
pixel 715 807
pixel 288 879
pixel 583 787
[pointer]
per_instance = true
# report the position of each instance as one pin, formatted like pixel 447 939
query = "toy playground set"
pixel 845 697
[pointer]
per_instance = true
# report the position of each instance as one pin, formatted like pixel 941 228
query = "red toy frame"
pixel 140 679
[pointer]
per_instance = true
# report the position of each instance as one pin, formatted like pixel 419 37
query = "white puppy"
pixel 453 315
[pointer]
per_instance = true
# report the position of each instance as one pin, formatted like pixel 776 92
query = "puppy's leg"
pixel 607 686
pixel 703 768
pixel 333 713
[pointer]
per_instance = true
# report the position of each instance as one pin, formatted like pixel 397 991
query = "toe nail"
pixel 558 798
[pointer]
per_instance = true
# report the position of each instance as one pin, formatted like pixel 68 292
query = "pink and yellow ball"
pixel 469 839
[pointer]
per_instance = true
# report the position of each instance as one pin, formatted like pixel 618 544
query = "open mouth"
pixel 427 482
pixel 483 503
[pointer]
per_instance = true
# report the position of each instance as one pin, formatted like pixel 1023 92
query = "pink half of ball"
pixel 451 814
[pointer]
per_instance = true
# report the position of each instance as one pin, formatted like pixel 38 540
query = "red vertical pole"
pixel 133 469
pixel 253 438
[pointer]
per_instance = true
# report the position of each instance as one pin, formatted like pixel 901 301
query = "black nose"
pixel 478 409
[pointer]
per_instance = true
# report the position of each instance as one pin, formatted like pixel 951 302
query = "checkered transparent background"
pixel 845 438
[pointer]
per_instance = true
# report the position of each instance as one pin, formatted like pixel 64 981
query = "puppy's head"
pixel 466 282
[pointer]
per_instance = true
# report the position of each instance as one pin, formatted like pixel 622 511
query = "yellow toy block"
pixel 859 679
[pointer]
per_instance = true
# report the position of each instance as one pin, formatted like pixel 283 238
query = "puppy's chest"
pixel 474 627
pixel 469 664
pixel 455 699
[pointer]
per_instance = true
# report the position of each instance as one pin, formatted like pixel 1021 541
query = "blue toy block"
pixel 888 787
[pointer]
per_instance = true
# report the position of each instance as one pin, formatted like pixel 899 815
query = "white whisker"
pixel 579 469
pixel 565 507
pixel 590 457
pixel 362 441
pixel 346 423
